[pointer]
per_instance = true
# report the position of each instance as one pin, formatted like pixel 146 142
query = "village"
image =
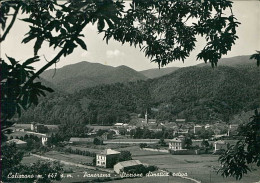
pixel 125 151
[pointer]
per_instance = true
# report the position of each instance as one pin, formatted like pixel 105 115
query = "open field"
pixel 131 141
pixel 136 151
pixel 29 160
pixel 74 158
pixel 199 167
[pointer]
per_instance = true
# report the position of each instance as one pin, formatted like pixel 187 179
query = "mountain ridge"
pixel 85 74
pixel 196 93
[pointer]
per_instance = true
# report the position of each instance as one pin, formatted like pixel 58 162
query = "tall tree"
pixel 235 161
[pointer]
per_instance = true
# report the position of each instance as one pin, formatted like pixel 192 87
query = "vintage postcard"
pixel 140 91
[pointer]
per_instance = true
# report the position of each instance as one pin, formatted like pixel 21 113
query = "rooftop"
pixel 119 124
pixel 109 151
pixel 16 141
pixel 176 140
pixel 180 120
pixel 76 139
pixel 129 163
pixel 220 142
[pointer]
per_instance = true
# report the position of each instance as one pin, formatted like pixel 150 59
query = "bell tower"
pixel 146 117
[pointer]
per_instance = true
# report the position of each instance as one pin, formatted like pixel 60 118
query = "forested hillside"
pixel 83 75
pixel 155 73
pixel 196 93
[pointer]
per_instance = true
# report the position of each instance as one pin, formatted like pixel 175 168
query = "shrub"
pixel 143 145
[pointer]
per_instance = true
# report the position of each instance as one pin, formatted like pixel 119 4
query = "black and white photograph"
pixel 130 91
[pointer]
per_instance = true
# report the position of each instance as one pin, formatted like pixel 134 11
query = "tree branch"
pixel 11 23
pixel 55 59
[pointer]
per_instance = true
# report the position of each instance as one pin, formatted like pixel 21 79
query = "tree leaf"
pixel 101 24
pixel 12 60
pixel 31 60
pixel 81 43
pixel 38 45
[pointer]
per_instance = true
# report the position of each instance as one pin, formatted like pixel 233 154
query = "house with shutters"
pixel 107 158
pixel 176 144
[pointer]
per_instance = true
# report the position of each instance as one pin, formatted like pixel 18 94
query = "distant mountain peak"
pixel 86 74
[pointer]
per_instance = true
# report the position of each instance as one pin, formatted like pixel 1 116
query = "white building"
pixel 232 129
pixel 103 157
pixel 220 145
pixel 207 126
pixel 119 125
pixel 197 128
pixel 44 140
pixel 176 144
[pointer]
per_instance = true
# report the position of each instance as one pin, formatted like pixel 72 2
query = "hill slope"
pixel 195 93
pixel 155 73
pixel 82 75
pixel 237 61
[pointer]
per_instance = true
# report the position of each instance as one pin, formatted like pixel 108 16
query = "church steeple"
pixel 146 117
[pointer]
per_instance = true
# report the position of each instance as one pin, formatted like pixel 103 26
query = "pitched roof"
pixel 119 124
pixel 220 142
pixel 129 163
pixel 109 151
pixel 176 140
pixel 76 139
pixel 16 141
pixel 180 120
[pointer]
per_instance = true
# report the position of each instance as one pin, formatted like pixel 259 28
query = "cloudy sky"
pixel 115 54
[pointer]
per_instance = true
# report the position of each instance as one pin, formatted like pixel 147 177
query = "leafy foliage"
pixel 11 158
pixel 159 28
pixel 256 56
pixel 11 163
pixel 15 95
pixel 143 145
pixel 187 142
pixel 236 159
pixel 141 169
pixel 97 141
pixel 49 170
pixel 125 156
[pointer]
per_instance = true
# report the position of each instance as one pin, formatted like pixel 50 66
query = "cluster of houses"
pixel 179 127
pixel 37 129
pixel 178 144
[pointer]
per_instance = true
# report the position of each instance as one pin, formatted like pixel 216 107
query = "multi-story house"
pixel 107 158
pixel 176 144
